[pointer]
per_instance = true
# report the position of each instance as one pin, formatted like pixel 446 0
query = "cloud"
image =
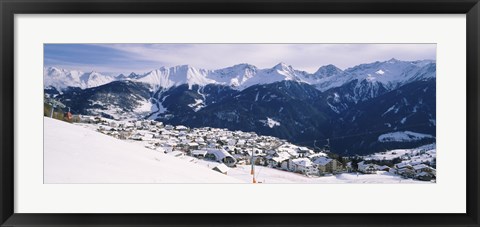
pixel 308 57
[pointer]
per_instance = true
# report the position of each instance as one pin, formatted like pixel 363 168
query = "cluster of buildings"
pixel 418 171
pixel 220 145
pixel 232 148
pixel 418 163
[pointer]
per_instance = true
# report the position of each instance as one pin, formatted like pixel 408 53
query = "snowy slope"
pixel 279 72
pixel 425 153
pixel 174 76
pixel 73 154
pixel 405 136
pixel 62 78
pixel 393 72
pixel 234 76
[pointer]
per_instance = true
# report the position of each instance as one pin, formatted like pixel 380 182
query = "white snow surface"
pixel 144 107
pixel 423 154
pixel 429 149
pixel 405 136
pixel 270 122
pixel 74 154
pixel 197 105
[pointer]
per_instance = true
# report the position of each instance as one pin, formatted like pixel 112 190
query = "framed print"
pixel 240 113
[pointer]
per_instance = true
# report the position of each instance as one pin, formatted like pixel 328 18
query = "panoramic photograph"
pixel 239 113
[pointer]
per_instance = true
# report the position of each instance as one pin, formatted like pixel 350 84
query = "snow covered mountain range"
pixel 391 74
pixel 381 97
pixel 61 79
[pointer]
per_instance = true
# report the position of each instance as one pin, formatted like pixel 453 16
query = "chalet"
pixel 422 168
pixel 285 165
pixel 113 124
pixel 128 125
pixel 241 143
pixel 181 128
pixel 303 165
pixel 136 136
pixel 260 160
pixel 384 168
pixel 192 146
pixel 290 150
pixel 349 167
pixel 198 153
pixel 138 125
pixel 327 165
pixel 199 140
pixel 123 135
pixel 169 127
pixel 276 159
pixel 367 168
pixel 402 165
pixel 304 152
pixel 425 176
pixel 220 155
pixel 424 172
pixel 405 170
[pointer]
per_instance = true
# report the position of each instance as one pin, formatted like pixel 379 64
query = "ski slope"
pixel 73 154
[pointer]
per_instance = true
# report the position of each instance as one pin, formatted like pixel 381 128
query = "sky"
pixel 141 58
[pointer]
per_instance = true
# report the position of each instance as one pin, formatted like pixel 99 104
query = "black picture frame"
pixel 9 8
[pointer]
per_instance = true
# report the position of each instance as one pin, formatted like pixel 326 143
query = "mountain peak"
pixel 53 68
pixel 186 66
pixel 244 66
pixel 281 65
pixel 329 67
pixel 328 71
pixel 393 60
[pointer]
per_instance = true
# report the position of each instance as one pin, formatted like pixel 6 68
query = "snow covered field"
pixel 426 153
pixel 74 154
pixel 79 154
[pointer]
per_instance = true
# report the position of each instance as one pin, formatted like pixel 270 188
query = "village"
pixel 223 150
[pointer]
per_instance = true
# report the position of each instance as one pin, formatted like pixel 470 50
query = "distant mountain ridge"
pixel 391 73
pixel 61 79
